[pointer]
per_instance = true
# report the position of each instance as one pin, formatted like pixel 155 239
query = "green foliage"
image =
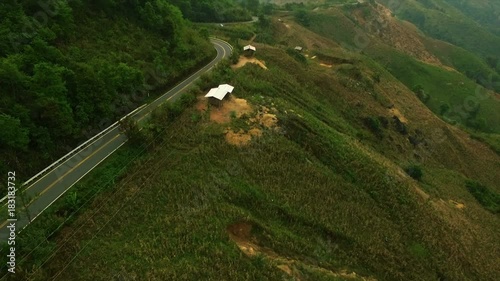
pixel 308 189
pixel 414 171
pixel 13 135
pixel 133 132
pixel 448 23
pixel 163 17
pixel 66 77
pixel 216 10
pixel 418 250
pixel 490 200
pixel 267 9
pixel 444 108
pixel 302 16
pixel 421 94
pixel 297 55
pixel 374 125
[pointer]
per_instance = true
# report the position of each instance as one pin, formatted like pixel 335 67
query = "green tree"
pixel 47 81
pixel 414 171
pixel 165 18
pixel 131 129
pixel 444 108
pixel 13 134
pixel 302 17
pixel 251 5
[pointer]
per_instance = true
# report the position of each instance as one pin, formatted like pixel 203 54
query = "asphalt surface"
pixel 46 190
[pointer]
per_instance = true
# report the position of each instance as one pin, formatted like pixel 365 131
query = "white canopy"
pixel 249 47
pixel 220 92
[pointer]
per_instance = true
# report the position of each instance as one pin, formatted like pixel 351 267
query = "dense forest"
pixel 68 68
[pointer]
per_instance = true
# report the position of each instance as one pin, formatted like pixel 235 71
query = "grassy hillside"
pixel 317 195
pixel 442 21
pixel 417 62
pixel 325 164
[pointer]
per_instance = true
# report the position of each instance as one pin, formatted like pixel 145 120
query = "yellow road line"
pixel 72 169
pixel 182 89
pixel 78 165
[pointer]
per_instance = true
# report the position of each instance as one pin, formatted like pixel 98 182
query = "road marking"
pixel 71 170
pixel 70 187
pixel 183 88
pixel 78 165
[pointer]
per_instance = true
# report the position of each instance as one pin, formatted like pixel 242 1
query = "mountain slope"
pixel 325 164
pixel 316 195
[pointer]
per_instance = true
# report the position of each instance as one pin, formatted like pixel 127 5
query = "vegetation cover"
pixel 68 69
pixel 338 162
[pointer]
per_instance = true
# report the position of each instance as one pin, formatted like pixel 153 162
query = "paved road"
pixel 46 190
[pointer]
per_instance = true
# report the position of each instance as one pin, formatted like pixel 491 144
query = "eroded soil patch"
pixel 244 60
pixel 241 234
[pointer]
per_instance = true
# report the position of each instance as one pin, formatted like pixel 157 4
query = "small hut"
pixel 216 95
pixel 249 50
pixel 298 49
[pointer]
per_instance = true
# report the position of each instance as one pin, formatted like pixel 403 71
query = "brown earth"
pixel 241 234
pixel 263 118
pixel 234 105
pixel 244 60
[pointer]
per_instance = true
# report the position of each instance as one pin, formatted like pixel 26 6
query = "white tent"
pixel 249 47
pixel 220 92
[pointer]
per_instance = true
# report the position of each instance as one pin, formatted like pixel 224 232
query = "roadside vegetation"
pixel 77 67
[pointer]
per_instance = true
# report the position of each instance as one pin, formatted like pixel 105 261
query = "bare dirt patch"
pixel 457 205
pixel 241 234
pixel 268 120
pixel 234 107
pixel 231 106
pixel 244 60
pixel 239 138
pixel 397 113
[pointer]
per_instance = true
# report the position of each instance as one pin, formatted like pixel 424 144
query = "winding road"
pixel 53 184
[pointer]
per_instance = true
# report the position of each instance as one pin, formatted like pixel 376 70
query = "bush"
pixel 296 55
pixel 414 171
pixel 421 94
pixel 444 108
pixel 487 198
pixel 131 129
pixel 400 126
pixel 374 125
pixel 302 17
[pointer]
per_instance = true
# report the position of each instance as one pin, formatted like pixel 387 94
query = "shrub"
pixel 444 108
pixel 414 171
pixel 374 125
pixel 400 126
pixel 296 55
pixel 131 129
pixel 302 17
pixel 487 198
pixel 421 94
